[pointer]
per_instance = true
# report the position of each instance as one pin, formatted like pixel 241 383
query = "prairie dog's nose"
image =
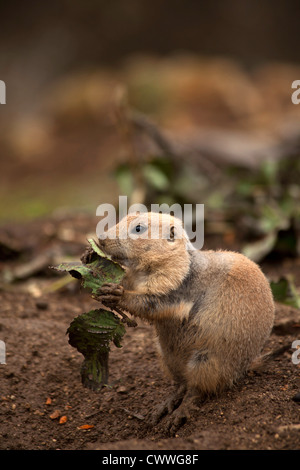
pixel 102 242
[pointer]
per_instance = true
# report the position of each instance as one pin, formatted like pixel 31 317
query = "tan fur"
pixel 212 310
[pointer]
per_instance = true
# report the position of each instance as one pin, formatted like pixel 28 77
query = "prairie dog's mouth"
pixel 112 251
pixel 117 258
pixel 121 261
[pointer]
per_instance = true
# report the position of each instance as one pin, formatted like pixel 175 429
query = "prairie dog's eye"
pixel 172 234
pixel 139 229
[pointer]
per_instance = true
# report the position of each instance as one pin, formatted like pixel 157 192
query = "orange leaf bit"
pixel 55 414
pixel 86 426
pixel 63 420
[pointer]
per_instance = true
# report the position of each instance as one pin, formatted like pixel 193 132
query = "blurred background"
pixel 170 101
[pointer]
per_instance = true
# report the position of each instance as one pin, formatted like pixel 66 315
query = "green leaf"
pixel 155 177
pixel 93 275
pixel 284 291
pixel 123 175
pixel 91 334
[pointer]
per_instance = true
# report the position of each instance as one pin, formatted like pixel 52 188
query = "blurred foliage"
pixel 65 138
pixel 269 206
pixel 284 291
pixel 164 181
pixel 261 205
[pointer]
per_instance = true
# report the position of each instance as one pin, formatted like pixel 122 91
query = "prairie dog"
pixel 212 310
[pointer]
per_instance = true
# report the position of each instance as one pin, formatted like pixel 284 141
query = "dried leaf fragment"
pixel 56 414
pixel 86 426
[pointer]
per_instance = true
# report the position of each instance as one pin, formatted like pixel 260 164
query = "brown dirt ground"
pixel 258 413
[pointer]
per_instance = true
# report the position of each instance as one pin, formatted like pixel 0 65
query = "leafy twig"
pixel 91 333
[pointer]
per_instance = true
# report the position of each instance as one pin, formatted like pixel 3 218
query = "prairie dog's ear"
pixel 172 234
